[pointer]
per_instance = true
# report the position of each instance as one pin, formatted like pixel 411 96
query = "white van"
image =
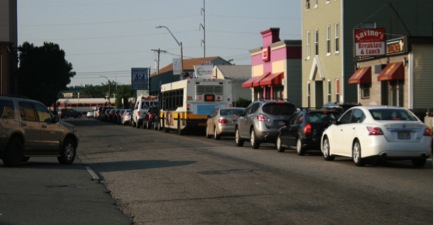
pixel 141 108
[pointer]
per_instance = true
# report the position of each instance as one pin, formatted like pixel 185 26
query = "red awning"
pixel 254 81
pixel 393 71
pixel 273 79
pixel 361 76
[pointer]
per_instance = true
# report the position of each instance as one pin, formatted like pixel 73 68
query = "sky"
pixel 104 39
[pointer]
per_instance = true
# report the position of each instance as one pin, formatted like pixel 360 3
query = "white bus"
pixel 185 104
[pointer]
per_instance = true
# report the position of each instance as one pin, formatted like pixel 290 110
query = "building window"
pixel 396 93
pixel 329 90
pixel 307 4
pixel 365 91
pixel 328 41
pixel 336 38
pixel 337 90
pixel 316 3
pixel 316 42
pixel 308 45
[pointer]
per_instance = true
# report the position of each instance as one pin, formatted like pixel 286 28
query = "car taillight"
pixel 375 131
pixel 138 113
pixel 261 117
pixel 307 129
pixel 427 132
pixel 223 121
pixel 150 116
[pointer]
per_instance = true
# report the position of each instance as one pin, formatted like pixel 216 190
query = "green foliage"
pixel 123 92
pixel 241 102
pixel 43 72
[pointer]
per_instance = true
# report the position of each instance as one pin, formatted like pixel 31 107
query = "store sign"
pixel 266 54
pixel 370 42
pixel 140 78
pixel 396 46
pixel 203 71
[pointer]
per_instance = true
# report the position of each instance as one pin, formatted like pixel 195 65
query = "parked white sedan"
pixel 367 132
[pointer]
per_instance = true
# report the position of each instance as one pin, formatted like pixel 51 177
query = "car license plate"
pixel 403 135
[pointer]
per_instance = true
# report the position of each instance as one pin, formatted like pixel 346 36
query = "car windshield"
pixel 279 108
pixel 231 112
pixel 322 117
pixel 392 114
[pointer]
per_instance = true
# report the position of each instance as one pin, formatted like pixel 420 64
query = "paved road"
pixel 43 192
pixel 160 178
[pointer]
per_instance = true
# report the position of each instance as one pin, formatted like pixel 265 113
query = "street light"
pixel 179 43
pixel 108 80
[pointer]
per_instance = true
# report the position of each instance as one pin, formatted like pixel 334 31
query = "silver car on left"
pixel 222 122
pixel 29 129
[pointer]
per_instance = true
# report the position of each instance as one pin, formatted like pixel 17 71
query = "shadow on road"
pixel 136 165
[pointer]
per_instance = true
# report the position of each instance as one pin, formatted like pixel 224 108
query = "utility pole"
pixel 202 25
pixel 158 58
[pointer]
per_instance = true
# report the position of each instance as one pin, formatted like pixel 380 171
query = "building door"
pixel 319 94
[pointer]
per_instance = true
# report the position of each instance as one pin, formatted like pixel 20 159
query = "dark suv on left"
pixel 261 120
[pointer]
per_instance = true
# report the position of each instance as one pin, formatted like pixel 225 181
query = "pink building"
pixel 276 69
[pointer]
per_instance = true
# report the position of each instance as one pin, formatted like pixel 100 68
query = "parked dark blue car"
pixel 304 129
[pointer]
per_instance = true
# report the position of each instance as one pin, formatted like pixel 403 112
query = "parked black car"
pixel 65 113
pixel 304 129
pixel 151 118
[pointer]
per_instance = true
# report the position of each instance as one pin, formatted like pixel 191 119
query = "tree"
pixel 43 72
pixel 122 94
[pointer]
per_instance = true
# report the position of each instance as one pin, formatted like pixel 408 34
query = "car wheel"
pixel 279 146
pixel 357 154
pixel 254 140
pixel 326 150
pixel 300 149
pixel 238 141
pixel 25 159
pixel 419 163
pixel 216 136
pixel 13 152
pixel 67 153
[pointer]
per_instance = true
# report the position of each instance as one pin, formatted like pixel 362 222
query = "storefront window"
pixel 365 91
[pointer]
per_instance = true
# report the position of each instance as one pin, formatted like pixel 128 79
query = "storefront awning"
pixel 393 71
pixel 272 79
pixel 254 81
pixel 361 76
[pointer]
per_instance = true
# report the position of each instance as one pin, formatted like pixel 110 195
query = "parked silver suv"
pixel 28 129
pixel 261 121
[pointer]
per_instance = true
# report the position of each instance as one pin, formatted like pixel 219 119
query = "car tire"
pixel 13 154
pixel 419 163
pixel 68 151
pixel 238 140
pixel 357 154
pixel 216 136
pixel 279 145
pixel 254 140
pixel 299 147
pixel 326 150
